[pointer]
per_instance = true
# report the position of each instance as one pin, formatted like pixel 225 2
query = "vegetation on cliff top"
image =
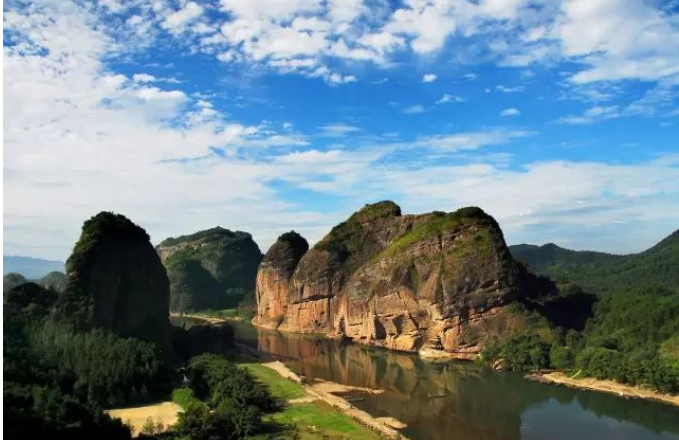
pixel 211 269
pixel 441 222
pixel 107 227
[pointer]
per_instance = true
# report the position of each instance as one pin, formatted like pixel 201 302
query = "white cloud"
pixel 469 140
pixel 470 76
pixel 338 129
pixel 506 89
pixel 429 77
pixel 414 109
pixel 510 112
pixel 143 77
pixel 450 98
pixel 68 156
pixel 592 115
pixel 178 21
pixel 631 39
pixel 175 164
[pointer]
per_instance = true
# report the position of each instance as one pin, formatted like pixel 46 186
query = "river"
pixel 464 401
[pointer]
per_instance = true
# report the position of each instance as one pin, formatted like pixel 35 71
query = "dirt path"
pixel 606 386
pixel 165 412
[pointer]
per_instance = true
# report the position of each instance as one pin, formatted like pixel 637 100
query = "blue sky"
pixel 560 118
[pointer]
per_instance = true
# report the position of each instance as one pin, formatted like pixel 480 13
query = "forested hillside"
pixel 601 272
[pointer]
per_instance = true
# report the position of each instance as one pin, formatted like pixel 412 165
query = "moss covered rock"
pixel 211 269
pixel 12 280
pixel 55 281
pixel 116 282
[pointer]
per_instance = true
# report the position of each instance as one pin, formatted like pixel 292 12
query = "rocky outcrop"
pixel 273 278
pixel 54 281
pixel 12 280
pixel 211 269
pixel 437 281
pixel 117 282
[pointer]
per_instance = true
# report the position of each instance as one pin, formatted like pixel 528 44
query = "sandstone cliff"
pixel 274 275
pixel 211 269
pixel 117 282
pixel 405 282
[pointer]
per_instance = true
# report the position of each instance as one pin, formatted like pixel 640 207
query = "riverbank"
pixel 207 318
pixel 604 386
pixel 164 413
pixel 329 394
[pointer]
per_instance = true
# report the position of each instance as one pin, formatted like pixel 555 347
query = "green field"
pixel 305 421
pixel 318 420
pixel 280 387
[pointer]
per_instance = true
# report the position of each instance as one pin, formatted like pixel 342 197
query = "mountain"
pixel 31 268
pixel 12 280
pixel 116 282
pixel 55 281
pixel 210 269
pixel 405 282
pixel 601 272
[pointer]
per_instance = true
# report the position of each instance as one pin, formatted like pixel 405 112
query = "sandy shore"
pixel 165 412
pixel 209 319
pixel 605 386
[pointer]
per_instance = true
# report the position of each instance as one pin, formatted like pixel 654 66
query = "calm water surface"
pixel 463 401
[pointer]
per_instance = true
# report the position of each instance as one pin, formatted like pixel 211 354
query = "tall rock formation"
pixel 405 282
pixel 211 269
pixel 117 282
pixel 274 275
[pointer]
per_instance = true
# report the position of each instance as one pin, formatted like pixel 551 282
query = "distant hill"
pixel 31 268
pixel 601 272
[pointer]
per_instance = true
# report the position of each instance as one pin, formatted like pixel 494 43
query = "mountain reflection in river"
pixel 463 401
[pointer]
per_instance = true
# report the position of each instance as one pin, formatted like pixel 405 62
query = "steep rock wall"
pixel 405 282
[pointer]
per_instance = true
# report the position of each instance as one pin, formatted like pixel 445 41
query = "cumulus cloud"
pixel 173 162
pixel 178 21
pixel 510 112
pixel 429 77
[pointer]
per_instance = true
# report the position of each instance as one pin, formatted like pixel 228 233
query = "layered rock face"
pixel 211 269
pixel 274 275
pixel 117 282
pixel 437 281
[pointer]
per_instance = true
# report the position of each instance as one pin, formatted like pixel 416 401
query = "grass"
pixel 305 421
pixel 281 388
pixel 318 420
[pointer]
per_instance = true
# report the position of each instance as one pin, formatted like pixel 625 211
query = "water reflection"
pixel 464 401
pixel 458 400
